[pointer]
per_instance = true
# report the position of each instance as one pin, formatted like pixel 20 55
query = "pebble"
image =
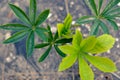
pixel 7 35
pixel 118 46
pixel 108 51
pixel 54 29
pixel 8 59
pixel 60 8
pixel 49 15
pixel 73 22
pixel 117 39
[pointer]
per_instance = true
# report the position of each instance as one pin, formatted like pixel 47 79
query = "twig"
pixel 116 75
pixel 66 6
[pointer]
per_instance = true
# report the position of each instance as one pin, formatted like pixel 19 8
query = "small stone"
pixel 11 54
pixel 8 59
pixel 79 29
pixel 73 22
pixel 118 46
pixel 108 51
pixel 61 8
pixel 49 15
pixel 72 3
pixel 7 35
pixel 85 35
pixel 54 29
pixel 117 39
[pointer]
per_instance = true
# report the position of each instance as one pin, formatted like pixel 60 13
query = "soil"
pixel 14 66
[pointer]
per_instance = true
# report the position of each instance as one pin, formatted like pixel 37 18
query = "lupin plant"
pixel 69 44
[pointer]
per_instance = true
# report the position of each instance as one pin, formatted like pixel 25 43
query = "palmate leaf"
pixel 16 37
pixel 42 58
pixel 13 26
pixel 104 43
pixel 85 71
pixel 20 14
pixel 32 11
pixel 67 62
pixel 30 44
pixel 59 51
pixel 42 17
pixel 88 43
pixel 41 32
pixel 102 63
pixel 41 45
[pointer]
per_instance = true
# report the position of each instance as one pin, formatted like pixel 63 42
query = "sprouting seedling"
pixel 64 28
pixel 31 25
pixel 83 50
pixel 60 37
pixel 100 17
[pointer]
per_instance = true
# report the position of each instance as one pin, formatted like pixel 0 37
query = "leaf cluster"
pixel 101 16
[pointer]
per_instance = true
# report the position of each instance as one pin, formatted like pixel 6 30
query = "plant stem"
pixel 66 6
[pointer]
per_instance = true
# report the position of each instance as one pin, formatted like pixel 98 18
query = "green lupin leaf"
pixel 20 14
pixel 93 6
pixel 77 38
pixel 113 24
pixel 30 44
pixel 41 32
pixel 100 5
pixel 63 40
pixel 42 58
pixel 32 11
pixel 60 28
pixel 113 11
pixel 59 51
pixel 41 45
pixel 67 62
pixel 104 27
pixel 110 5
pixel 13 27
pixel 88 43
pixel 85 19
pixel 94 28
pixel 68 49
pixel 64 28
pixel 104 43
pixel 85 71
pixel 55 36
pixel 42 17
pixel 49 33
pixel 102 63
pixel 68 21
pixel 16 37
